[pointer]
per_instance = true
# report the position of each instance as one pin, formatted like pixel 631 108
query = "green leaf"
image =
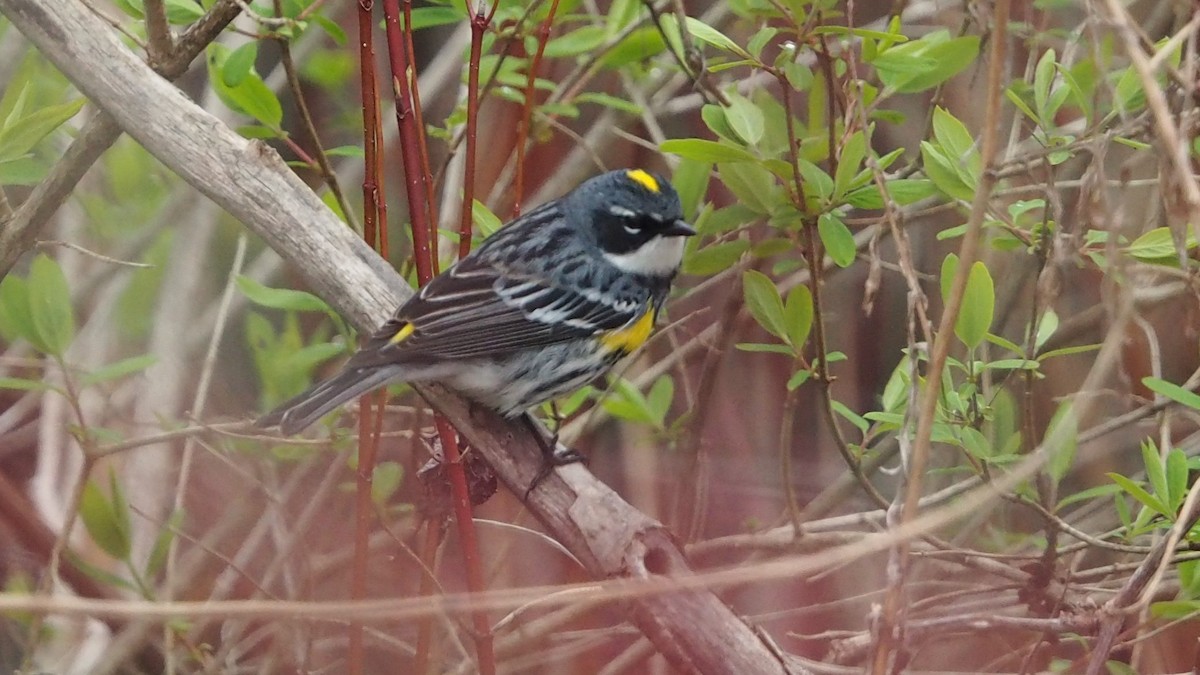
pixel 691 184
pixel 818 186
pixel 237 67
pixel 22 384
pixel 27 170
pixel 428 17
pixel 978 307
pixel 838 240
pixel 717 121
pixel 162 545
pixel 1172 391
pixel 280 298
pixel 896 391
pixel 16 319
pixel 1015 98
pixel 347 151
pixel 181 12
pixel 958 145
pixel 903 191
pixel 798 315
pixel 854 418
pixel 609 101
pixel 715 257
pixel 1088 495
pixel 13 103
pixel 889 419
pixel 949 269
pixel 774 246
pixel 760 39
pixel 798 378
pixel 1064 425
pixel 705 33
pixel 923 64
pixel 1067 351
pixel 626 402
pixel 754 186
pixel 701 150
pixel 1177 478
pixel 759 347
pixel 331 28
pixel 942 173
pixel 119 369
pixel 764 303
pixel 1173 609
pixel 745 118
pixel 50 306
pixel 1137 492
pixel 103 523
pixel 1189 578
pixel 853 153
pixel 975 443
pixel 1156 473
pixel 484 219
pixel 659 398
pixel 1122 509
pixel 727 219
pixel 1043 79
pixel 1003 343
pixel 1157 244
pixel 638 47
pixel 20 136
pixel 798 75
pixel 1046 328
pixel 385 480
pixel 579 41
pixel 251 96
pixel 1011 364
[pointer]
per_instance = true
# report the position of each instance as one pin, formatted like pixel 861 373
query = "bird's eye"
pixel 637 224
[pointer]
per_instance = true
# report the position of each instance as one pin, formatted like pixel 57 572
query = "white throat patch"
pixel 658 257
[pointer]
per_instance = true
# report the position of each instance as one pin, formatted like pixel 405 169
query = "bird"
pixel 546 305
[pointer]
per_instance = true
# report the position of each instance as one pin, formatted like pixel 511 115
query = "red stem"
pixel 410 144
pixel 479 25
pixel 427 175
pixel 428 553
pixel 418 210
pixel 370 105
pixel 468 542
pixel 543 36
pixel 380 204
pixel 368 446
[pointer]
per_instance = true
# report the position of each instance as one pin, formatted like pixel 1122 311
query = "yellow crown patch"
pixel 644 179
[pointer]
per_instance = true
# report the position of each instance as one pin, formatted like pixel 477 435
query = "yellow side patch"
pixel 630 337
pixel 405 330
pixel 644 179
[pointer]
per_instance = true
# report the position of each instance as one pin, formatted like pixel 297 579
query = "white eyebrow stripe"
pixel 621 211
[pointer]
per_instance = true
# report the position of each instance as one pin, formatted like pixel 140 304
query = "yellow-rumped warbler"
pixel 547 304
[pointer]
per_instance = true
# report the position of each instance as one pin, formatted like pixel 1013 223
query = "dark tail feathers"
pixel 300 412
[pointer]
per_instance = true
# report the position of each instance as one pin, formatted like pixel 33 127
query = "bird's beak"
pixel 679 229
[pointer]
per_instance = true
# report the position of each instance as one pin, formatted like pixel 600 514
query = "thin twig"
pixel 309 126
pixel 893 604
